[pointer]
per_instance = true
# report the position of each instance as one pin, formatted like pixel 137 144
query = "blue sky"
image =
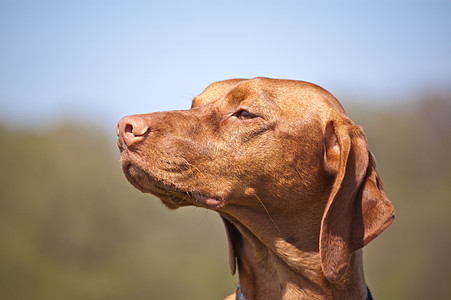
pixel 102 60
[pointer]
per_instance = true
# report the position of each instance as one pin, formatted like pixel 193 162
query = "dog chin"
pixel 137 177
pixel 170 197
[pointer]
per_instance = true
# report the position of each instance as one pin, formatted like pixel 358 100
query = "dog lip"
pixel 142 181
pixel 208 201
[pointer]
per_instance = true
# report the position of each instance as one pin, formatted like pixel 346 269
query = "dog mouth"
pixel 170 194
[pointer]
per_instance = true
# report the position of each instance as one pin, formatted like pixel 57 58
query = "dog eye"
pixel 244 115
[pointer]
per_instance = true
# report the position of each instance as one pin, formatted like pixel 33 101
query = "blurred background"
pixel 71 227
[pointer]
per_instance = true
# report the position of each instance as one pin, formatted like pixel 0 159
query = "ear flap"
pixel 234 241
pixel 357 209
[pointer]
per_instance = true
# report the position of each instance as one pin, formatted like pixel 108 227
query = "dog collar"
pixel 369 297
pixel 240 295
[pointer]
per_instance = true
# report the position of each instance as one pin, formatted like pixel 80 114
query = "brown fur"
pixel 291 177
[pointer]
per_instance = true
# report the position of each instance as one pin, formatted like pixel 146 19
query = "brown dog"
pixel 285 168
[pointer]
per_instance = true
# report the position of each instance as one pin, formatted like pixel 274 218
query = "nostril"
pixel 136 130
pixel 132 129
pixel 128 128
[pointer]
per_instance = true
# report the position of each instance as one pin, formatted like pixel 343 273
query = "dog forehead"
pixel 290 96
pixel 233 89
pixel 215 91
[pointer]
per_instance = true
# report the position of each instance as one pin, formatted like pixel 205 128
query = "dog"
pixel 286 169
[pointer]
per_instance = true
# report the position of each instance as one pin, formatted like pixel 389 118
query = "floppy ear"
pixel 357 209
pixel 234 241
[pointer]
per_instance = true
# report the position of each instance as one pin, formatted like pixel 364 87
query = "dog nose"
pixel 132 129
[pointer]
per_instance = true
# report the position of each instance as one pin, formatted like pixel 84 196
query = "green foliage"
pixel 71 227
pixel 412 145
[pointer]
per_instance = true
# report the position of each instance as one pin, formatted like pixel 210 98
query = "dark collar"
pixel 239 293
pixel 369 297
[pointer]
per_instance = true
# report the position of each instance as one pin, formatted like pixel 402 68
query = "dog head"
pixel 276 158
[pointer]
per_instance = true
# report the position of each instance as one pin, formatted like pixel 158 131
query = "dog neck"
pixel 283 271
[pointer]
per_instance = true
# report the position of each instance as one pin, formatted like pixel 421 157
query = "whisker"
pixel 169 196
pixel 267 212
pixel 173 199
pixel 297 170
pixel 191 165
